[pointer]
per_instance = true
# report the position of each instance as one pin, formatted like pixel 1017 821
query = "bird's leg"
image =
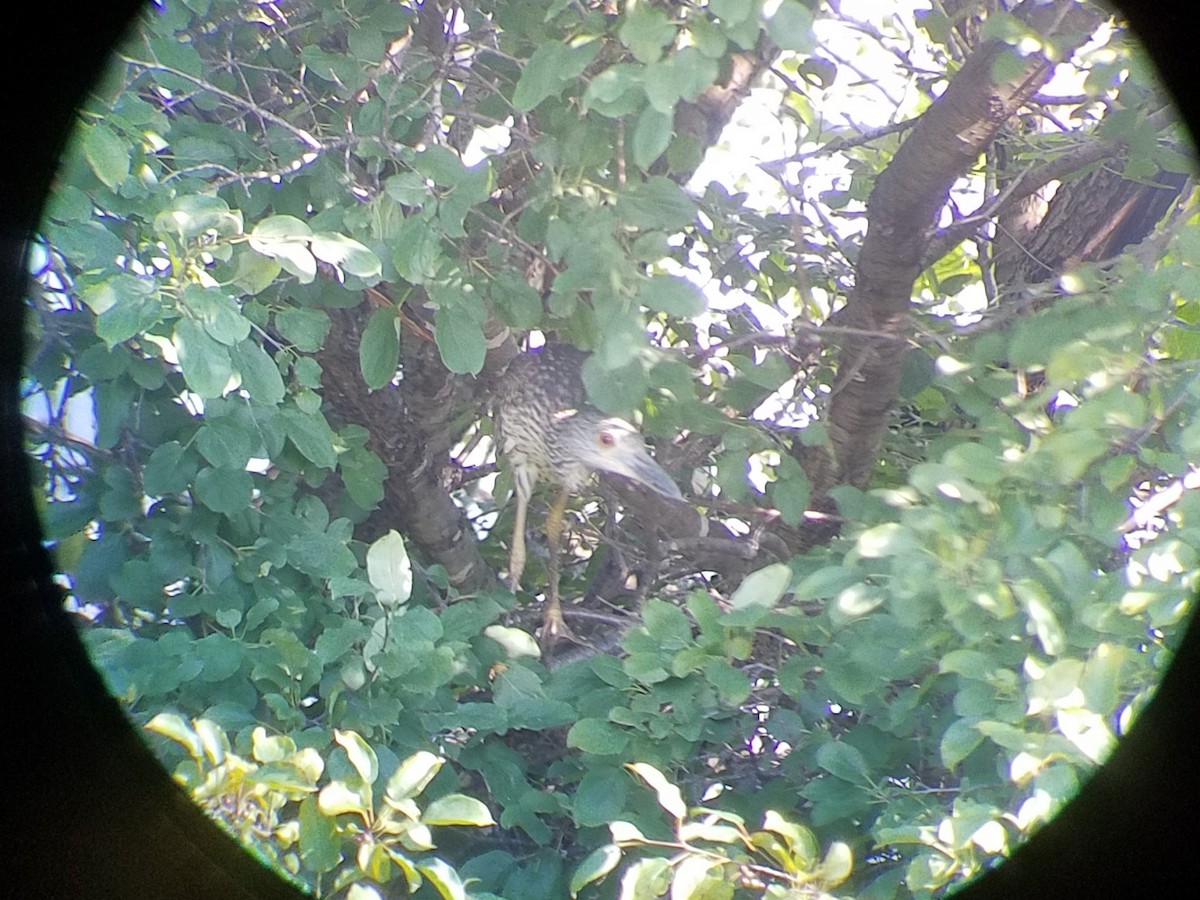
pixel 516 553
pixel 553 626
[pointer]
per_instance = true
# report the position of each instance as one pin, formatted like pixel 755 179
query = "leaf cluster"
pixel 291 245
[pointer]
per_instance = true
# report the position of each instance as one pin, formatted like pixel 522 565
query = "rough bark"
pixel 414 425
pixel 901 214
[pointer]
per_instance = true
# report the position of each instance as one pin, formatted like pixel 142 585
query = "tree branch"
pixel 901 213
pixel 240 102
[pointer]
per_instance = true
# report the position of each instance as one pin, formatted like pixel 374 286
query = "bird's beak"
pixel 644 470
pixel 629 457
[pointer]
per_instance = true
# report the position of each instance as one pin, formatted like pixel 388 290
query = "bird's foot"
pixel 555 628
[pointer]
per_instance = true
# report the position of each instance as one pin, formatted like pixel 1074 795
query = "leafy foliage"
pixel 287 255
pixel 334 835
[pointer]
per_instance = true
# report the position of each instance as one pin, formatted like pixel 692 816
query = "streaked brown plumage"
pixel 546 429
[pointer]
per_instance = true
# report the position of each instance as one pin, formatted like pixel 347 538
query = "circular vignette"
pixel 94 814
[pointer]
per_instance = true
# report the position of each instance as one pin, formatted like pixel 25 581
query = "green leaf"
pixel 612 92
pixel 733 687
pixel 169 470
pixel 600 796
pixel 192 215
pixel 363 473
pixel 691 880
pixel 303 327
pixel 595 866
pixel 379 349
pixel 1180 343
pixel 844 761
pixel 646 30
pixel 172 726
pixel 440 165
pixel 656 202
pixel 958 741
pixel 225 443
pixel 413 775
pixel 669 796
pixel 106 153
pixel 517 303
pixel 597 736
pixel 207 365
pixel 362 757
pixel 791 495
pixel 651 135
pixel 102 296
pixel 417 250
pixel 334 643
pixel 286 239
pixel 389 570
pixel 444 879
pixel 888 539
pixel 131 316
pixel 126 306
pixel 312 436
pixel 681 76
pixel 407 188
pixel 336 68
pixel 260 376
pixel 460 340
pixel 321 555
pixel 346 254
pixel 790 26
pixel 254 273
pixel 552 66
pixel 457 809
pixel 763 588
pixel 826 582
pixel 731 12
pixel 224 491
pixel 220 655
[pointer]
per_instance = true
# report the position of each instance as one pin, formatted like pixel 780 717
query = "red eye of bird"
pixel 606 439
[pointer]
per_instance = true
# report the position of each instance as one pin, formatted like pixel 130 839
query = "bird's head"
pixel 593 442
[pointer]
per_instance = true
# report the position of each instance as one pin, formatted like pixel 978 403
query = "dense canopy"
pixel 905 301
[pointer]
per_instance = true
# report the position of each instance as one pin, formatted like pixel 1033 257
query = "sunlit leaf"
pixel 764 587
pixel 413 775
pixel 444 879
pixel 389 569
pixel 362 757
pixel 595 866
pixel 669 796
pixel 457 809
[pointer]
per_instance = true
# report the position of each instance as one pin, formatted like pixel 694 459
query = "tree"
pixel 295 247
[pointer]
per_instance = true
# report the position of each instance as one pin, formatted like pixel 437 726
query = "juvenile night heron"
pixel 546 429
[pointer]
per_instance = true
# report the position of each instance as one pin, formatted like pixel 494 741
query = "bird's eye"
pixel 606 439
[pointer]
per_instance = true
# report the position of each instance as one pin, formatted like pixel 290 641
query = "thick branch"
pixel 1026 184
pixel 901 214
pixel 413 427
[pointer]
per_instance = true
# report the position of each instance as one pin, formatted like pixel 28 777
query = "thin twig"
pixel 242 102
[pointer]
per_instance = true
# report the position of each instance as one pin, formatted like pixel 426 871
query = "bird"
pixel 547 429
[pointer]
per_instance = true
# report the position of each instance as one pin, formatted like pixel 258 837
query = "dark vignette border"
pixel 90 813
